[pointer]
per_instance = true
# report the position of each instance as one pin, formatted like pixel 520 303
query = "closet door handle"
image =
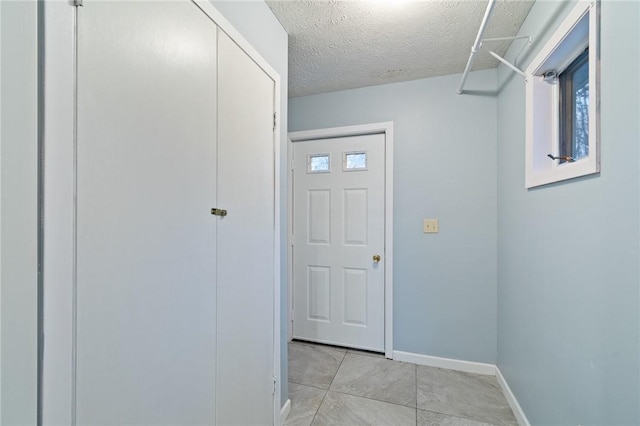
pixel 218 212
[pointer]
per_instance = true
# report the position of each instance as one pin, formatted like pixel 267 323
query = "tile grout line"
pixel 308 385
pixel 336 373
pixel 325 394
pixel 371 399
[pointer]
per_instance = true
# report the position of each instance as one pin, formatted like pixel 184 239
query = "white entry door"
pixel 338 254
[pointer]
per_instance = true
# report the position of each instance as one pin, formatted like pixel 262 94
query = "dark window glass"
pixel 574 108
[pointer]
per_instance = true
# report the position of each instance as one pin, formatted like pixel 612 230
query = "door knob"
pixel 376 258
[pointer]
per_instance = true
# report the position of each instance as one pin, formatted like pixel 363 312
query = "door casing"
pixel 385 128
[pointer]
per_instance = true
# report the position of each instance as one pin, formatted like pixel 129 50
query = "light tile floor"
pixel 337 386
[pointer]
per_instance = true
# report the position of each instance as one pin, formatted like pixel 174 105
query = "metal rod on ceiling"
pixel 505 38
pixel 507 63
pixel 476 44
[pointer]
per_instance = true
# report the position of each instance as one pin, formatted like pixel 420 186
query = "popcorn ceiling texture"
pixel 336 45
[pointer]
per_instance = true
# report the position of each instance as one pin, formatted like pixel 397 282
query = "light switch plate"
pixel 431 226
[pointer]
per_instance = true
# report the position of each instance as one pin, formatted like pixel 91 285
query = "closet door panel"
pixel 245 239
pixel 146 181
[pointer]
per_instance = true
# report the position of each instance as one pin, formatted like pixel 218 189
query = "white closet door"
pixel 146 181
pixel 245 239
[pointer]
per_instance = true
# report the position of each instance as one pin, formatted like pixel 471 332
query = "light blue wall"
pixel 445 168
pixel 257 24
pixel 568 277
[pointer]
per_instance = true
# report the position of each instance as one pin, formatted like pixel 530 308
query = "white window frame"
pixel 581 28
pixel 355 169
pixel 309 161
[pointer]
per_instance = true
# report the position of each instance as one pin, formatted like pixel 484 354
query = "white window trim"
pixel 542 101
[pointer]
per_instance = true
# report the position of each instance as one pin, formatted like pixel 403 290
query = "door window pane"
pixel 355 160
pixel 318 163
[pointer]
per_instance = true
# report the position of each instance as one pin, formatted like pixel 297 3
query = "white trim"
pixel 542 99
pixel 58 40
pixel 289 239
pixel 511 399
pixel 284 413
pixel 0 211
pixel 333 132
pixel 447 363
pixel 388 242
pixel 277 243
pixel 364 129
pixel 226 27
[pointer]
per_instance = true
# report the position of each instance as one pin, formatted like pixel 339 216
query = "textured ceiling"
pixel 337 45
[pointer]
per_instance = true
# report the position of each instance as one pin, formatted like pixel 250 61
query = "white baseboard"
pixel 511 399
pixel 284 412
pixel 448 363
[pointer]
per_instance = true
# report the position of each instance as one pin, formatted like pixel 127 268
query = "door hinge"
pixel 275 119
pixel 218 212
pixel 275 384
pixel 77 3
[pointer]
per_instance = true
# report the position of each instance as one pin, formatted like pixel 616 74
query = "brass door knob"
pixel 376 258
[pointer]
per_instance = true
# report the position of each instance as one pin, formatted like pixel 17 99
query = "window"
pixel 318 163
pixel 562 96
pixel 574 109
pixel 354 161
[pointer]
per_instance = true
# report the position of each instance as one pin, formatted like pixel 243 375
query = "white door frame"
pixel 385 128
pixel 59 210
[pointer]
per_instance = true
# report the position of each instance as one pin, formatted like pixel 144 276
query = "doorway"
pixel 341 234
